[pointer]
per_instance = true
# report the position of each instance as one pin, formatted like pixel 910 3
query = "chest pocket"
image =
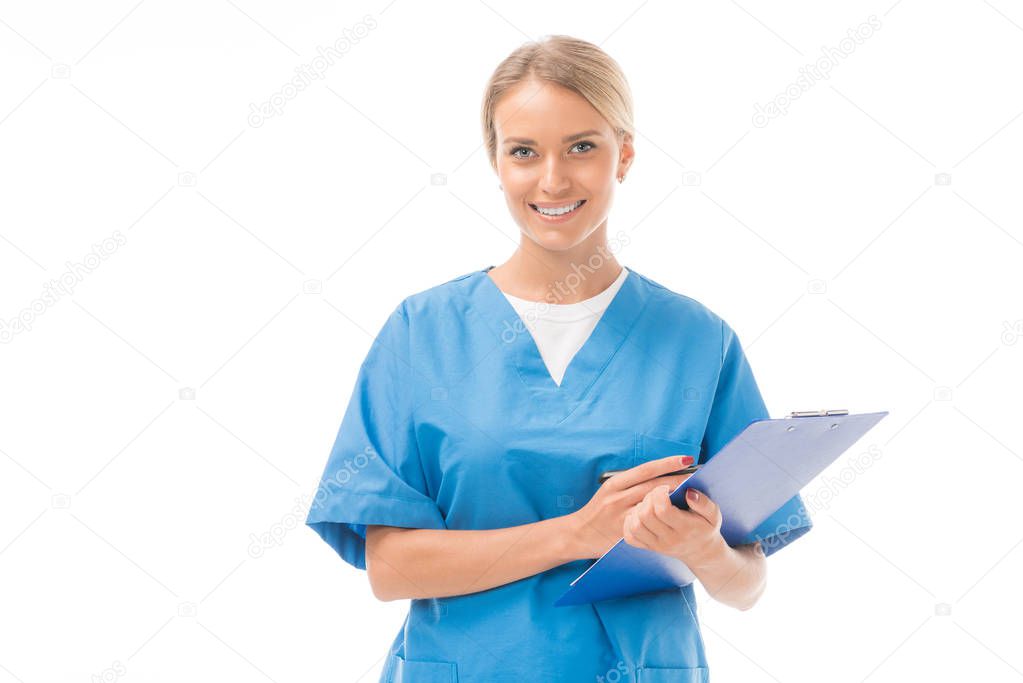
pixel 650 447
pixel 401 670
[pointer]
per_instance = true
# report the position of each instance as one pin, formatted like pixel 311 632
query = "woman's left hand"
pixel 693 535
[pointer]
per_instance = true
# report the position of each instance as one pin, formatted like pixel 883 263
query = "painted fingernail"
pixel 686 460
pixel 692 496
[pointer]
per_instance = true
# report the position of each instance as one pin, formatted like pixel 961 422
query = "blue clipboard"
pixel 750 478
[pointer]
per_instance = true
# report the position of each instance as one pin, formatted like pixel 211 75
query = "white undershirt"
pixel 560 330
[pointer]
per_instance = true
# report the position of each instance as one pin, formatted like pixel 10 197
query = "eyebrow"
pixel 570 138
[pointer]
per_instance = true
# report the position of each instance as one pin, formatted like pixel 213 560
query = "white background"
pixel 252 265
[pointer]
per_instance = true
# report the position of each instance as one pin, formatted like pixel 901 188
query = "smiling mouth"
pixel 559 211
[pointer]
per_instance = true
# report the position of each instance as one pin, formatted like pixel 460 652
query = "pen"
pixel 685 470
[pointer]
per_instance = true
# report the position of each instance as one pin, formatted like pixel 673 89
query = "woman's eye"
pixel 515 152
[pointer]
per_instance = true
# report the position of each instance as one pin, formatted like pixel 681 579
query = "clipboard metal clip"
pixel 817 413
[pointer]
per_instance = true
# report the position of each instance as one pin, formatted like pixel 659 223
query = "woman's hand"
pixel 693 535
pixel 598 525
pixel 733 576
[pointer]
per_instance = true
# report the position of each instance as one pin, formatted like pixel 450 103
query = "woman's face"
pixel 544 162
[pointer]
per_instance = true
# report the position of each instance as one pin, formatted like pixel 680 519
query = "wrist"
pixel 569 544
pixel 717 554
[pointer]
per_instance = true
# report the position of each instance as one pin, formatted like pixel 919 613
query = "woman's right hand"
pixel 598 524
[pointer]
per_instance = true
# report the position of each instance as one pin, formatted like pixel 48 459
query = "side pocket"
pixel 401 670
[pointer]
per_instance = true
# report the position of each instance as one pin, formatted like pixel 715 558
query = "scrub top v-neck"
pixel 558 329
pixel 455 423
pixel 588 362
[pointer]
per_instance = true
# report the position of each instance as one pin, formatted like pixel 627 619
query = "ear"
pixel 626 153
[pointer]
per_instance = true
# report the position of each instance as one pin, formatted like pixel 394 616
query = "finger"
pixel 653 513
pixel 699 503
pixel 635 533
pixel 648 470
pixel 672 481
pixel 634 494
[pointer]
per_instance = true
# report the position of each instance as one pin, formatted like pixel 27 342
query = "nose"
pixel 554 181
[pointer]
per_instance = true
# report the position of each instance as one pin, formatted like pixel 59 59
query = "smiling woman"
pixel 558 172
pixel 481 428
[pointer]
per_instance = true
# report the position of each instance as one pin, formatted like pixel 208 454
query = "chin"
pixel 553 240
pixel 555 237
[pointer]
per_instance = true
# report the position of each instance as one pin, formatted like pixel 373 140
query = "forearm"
pixel 735 576
pixel 434 563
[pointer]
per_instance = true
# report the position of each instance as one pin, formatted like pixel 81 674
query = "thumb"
pixel 702 505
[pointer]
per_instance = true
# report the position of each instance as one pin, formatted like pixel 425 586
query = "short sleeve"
pixel 736 403
pixel 374 474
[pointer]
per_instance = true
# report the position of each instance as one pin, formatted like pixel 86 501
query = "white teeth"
pixel 560 211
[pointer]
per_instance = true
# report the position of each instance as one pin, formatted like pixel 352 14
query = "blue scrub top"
pixel 455 423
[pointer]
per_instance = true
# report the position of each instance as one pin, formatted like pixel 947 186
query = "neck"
pixel 559 277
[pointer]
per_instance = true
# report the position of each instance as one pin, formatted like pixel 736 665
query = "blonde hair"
pixel 571 63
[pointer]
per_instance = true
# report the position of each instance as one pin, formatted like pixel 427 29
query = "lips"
pixel 578 205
